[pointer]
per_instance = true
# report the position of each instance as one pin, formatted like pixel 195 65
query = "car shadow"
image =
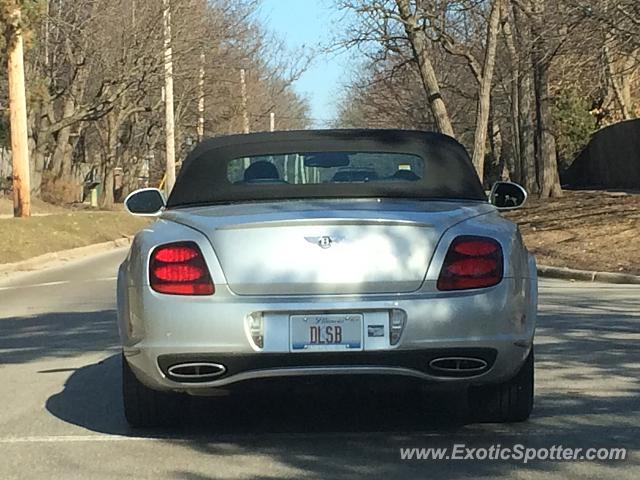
pixel 92 399
pixel 577 351
pixel 341 433
pixel 338 432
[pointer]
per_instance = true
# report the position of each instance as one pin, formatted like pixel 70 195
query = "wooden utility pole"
pixel 18 116
pixel 168 101
pixel 200 129
pixel 272 122
pixel 243 94
pixel 245 111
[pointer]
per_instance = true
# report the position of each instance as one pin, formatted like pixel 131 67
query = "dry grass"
pixel 38 207
pixel 23 238
pixel 584 230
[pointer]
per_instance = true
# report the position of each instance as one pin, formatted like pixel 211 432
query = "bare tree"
pixel 95 80
pixel 441 19
pixel 419 42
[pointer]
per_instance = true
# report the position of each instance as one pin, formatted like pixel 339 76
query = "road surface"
pixel 61 413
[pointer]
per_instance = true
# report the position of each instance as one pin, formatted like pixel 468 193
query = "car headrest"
pixel 261 170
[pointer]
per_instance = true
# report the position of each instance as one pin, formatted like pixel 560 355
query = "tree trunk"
pixel 484 90
pixel 527 134
pixel 516 133
pixel 170 142
pixel 418 41
pixel 201 78
pixel 546 156
pixel 37 150
pixel 526 101
pixel 106 196
pixel 61 160
pixel 615 79
pixel 501 168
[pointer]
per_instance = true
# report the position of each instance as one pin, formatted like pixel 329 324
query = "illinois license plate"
pixel 326 332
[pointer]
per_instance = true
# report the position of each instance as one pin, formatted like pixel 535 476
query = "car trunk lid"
pixel 326 247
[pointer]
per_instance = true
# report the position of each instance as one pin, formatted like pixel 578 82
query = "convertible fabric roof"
pixel 448 171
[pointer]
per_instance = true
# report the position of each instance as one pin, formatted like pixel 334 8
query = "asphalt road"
pixel 61 414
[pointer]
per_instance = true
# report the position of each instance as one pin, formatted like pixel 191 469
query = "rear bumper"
pixel 503 360
pixel 413 362
pixel 495 325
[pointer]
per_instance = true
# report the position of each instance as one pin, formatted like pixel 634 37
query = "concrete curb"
pixel 56 258
pixel 587 276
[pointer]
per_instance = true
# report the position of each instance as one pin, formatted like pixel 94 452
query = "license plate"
pixel 326 332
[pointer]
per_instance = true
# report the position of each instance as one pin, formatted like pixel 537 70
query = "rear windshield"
pixel 326 164
pixel 325 167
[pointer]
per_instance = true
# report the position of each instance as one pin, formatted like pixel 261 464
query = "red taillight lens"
pixel 471 262
pixel 179 269
pixel 175 254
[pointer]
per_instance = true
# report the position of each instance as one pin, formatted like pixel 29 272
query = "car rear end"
pixel 442 291
pixel 265 308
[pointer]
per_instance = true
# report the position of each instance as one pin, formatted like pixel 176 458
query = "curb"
pixel 587 276
pixel 51 259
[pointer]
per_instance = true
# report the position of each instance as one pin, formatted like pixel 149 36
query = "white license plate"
pixel 326 332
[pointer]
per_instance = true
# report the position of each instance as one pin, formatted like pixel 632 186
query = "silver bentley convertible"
pixel 369 253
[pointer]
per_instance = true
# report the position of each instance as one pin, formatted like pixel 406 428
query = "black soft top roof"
pixel 448 172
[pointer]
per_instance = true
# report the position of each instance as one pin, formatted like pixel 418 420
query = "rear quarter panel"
pixel 519 267
pixel 133 276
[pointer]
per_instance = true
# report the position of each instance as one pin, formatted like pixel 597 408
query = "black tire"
pixel 507 402
pixel 145 407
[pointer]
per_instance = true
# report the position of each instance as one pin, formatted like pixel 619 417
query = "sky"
pixel 311 23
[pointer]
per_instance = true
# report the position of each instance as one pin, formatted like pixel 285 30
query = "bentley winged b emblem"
pixel 323 242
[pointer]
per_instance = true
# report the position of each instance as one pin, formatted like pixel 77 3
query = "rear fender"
pixel 516 262
pixel 162 232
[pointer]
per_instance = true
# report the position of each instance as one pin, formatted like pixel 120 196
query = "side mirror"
pixel 147 202
pixel 507 196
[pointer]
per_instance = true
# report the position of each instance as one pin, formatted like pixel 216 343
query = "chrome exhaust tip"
pixel 195 371
pixel 458 365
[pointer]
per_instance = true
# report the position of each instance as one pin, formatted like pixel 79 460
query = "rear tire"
pixel 511 401
pixel 145 407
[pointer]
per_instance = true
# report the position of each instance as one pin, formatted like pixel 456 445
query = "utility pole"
pixel 272 121
pixel 200 129
pixel 168 101
pixel 245 112
pixel 18 116
pixel 134 22
pixel 243 93
pixel 46 34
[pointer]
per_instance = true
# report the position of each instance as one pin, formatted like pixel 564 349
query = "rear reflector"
pixel 471 262
pixel 179 269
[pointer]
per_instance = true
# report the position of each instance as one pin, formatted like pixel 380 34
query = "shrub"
pixel 60 191
pixel 574 125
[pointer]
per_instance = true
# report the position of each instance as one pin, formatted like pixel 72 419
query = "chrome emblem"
pixel 323 242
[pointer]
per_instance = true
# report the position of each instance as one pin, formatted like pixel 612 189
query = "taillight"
pixel 471 262
pixel 179 269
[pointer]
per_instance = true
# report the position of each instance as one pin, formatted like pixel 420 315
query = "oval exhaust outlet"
pixel 196 371
pixel 458 364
